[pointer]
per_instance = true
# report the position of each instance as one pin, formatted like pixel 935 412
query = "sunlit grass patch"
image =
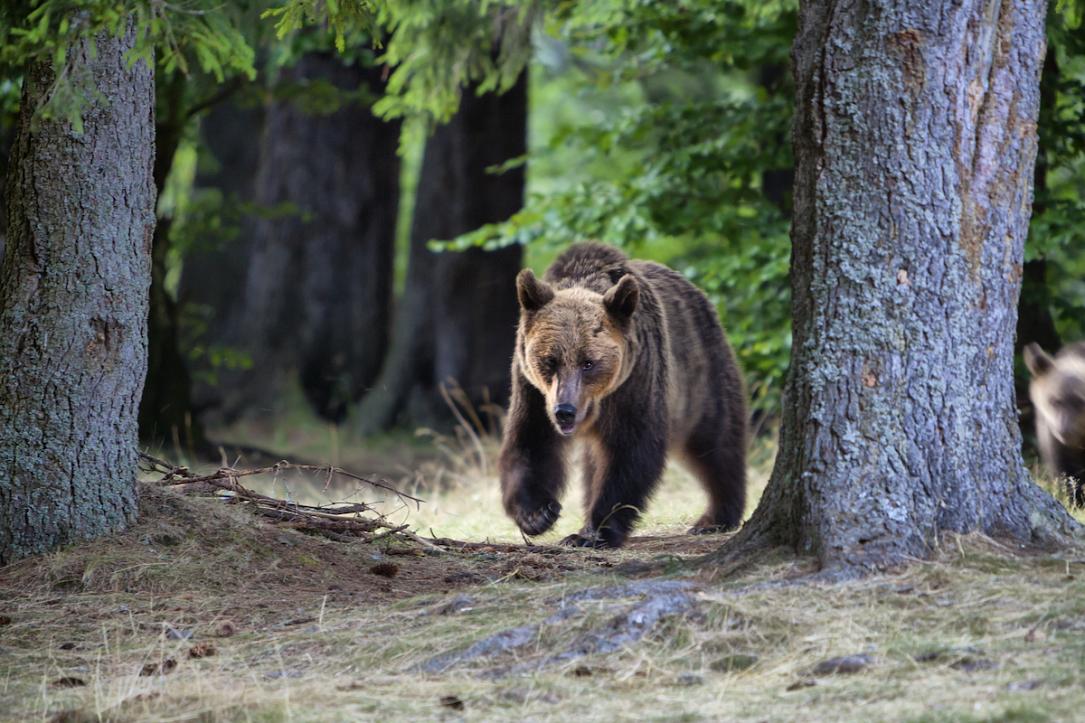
pixel 463 497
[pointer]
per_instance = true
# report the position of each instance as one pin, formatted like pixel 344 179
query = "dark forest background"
pixel 304 194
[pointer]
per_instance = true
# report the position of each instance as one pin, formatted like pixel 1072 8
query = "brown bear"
pixel 628 357
pixel 1057 391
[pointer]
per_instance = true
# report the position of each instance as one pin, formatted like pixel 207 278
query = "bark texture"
pixel 73 307
pixel 456 322
pixel 318 289
pixel 915 138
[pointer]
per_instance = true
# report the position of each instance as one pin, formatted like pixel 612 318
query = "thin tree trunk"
pixel 73 307
pixel 456 322
pixel 915 138
pixel 165 411
pixel 319 283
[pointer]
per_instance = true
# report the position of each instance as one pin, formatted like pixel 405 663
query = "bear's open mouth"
pixel 566 428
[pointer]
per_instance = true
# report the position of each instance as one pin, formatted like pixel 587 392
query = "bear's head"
pixel 1057 390
pixel 577 345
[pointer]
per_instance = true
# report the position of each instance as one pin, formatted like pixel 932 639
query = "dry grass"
pixel 978 634
pixel 302 629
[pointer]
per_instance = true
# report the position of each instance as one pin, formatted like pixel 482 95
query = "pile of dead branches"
pixel 342 522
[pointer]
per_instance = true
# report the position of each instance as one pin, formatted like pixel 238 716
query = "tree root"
pixel 662 598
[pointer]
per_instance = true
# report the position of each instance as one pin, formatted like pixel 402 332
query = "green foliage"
pixel 436 48
pixel 440 47
pixel 341 18
pixel 1056 232
pixel 680 112
pixel 197 34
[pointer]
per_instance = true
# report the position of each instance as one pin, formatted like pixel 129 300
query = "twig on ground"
pixel 357 520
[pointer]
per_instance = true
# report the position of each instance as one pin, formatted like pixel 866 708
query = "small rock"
pixel 457 604
pixel 385 569
pixel 173 633
pixel 802 683
pixel 281 674
pixel 843 664
pixel 68 681
pixel 225 629
pixel 67 646
pixel 1035 635
pixel 451 701
pixel 968 664
pixel 689 679
pixel 5 620
pixel 582 671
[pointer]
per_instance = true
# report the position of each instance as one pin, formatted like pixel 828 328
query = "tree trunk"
pixel 212 277
pixel 165 410
pixel 915 138
pixel 319 283
pixel 7 135
pixel 456 322
pixel 73 306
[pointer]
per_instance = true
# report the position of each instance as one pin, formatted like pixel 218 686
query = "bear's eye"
pixel 587 365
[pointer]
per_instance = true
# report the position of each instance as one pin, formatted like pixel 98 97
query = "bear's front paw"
pixel 709 525
pixel 578 540
pixel 605 538
pixel 538 520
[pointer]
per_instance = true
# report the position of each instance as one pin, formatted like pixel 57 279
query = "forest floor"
pixel 204 611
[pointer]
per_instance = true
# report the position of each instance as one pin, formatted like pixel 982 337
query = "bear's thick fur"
pixel 628 357
pixel 1057 391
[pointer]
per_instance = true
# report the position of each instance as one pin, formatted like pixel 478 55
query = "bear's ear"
pixel 621 299
pixel 1037 360
pixel 533 294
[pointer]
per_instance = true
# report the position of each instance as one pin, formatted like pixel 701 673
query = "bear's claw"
pixel 594 540
pixel 578 540
pixel 540 519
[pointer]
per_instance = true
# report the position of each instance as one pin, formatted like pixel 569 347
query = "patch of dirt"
pixel 208 550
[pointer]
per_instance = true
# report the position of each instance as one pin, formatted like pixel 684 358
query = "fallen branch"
pixel 356 520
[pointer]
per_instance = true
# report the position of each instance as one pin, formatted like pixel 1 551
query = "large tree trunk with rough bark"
pixel 7 135
pixel 73 307
pixel 914 139
pixel 318 288
pixel 456 323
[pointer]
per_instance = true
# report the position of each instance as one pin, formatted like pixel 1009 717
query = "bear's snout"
pixel 565 414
